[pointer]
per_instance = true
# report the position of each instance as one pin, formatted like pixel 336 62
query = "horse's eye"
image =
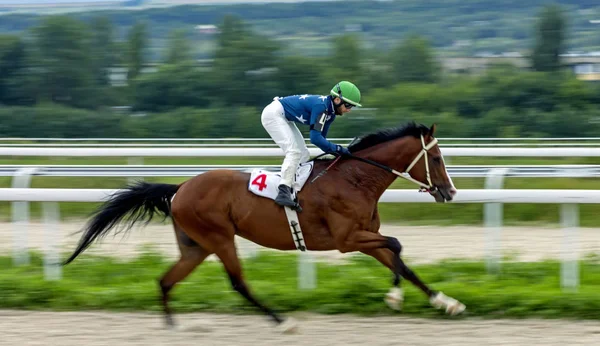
pixel 437 159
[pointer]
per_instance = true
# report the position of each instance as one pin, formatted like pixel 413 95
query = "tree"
pixel 243 69
pixel 172 86
pixel 179 50
pixel 347 57
pixel 413 61
pixel 12 67
pixel 136 50
pixel 63 61
pixel 549 42
pixel 103 49
pixel 301 75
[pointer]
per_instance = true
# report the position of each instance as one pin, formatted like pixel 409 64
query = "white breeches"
pixel 288 137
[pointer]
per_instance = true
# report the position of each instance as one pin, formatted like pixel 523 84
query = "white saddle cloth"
pixel 264 183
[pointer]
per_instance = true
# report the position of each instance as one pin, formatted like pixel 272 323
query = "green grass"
pixel 102 283
pixel 447 214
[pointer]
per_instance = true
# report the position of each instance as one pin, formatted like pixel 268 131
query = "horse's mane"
pixel 381 136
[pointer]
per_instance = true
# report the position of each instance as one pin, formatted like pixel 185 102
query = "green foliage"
pixel 100 283
pixel 172 86
pixel 549 43
pixel 413 61
pixel 136 50
pixel 63 57
pixel 65 63
pixel 346 58
pixel 56 121
pixel 102 49
pixel 482 25
pixel 179 48
pixel 240 74
pixel 297 75
pixel 12 67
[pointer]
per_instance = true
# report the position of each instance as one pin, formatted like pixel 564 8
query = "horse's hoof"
pixel 456 309
pixel 394 298
pixel 195 327
pixel 289 326
pixel 169 322
pixel 452 306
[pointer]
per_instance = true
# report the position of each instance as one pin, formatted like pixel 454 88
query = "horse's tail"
pixel 138 201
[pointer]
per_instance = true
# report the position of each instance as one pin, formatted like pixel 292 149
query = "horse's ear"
pixel 432 130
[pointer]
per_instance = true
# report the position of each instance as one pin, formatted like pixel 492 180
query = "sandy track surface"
pixel 95 329
pixel 420 244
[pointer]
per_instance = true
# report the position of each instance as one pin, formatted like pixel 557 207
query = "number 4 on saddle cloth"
pixel 264 183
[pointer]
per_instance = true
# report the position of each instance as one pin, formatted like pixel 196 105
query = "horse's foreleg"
pixel 386 251
pixel 437 299
pixel 389 255
pixel 395 297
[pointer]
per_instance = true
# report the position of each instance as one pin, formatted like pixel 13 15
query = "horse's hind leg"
pixel 228 255
pixel 191 256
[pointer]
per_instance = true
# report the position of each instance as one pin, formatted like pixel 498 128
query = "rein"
pixel 425 187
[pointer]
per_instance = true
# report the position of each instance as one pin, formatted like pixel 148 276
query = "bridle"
pixel 425 148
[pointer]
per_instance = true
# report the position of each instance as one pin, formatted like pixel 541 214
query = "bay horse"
pixel 339 212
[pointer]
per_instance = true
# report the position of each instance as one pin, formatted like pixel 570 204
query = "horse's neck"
pixel 375 180
pixel 371 179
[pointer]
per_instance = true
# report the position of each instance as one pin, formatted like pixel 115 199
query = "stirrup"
pixel 286 199
pixel 295 206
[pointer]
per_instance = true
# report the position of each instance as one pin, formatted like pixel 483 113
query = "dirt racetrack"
pixel 421 244
pixel 95 329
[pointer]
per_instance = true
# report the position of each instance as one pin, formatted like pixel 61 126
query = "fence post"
pixel 493 214
pixel 306 271
pixel 52 267
pixel 135 161
pixel 569 270
pixel 20 217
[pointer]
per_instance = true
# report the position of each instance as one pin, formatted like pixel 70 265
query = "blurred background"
pixel 512 85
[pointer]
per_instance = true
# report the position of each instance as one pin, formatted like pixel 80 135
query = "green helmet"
pixel 347 92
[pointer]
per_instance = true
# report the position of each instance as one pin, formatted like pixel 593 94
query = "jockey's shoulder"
pixel 306 98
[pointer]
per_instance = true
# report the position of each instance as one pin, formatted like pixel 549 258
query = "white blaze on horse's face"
pixel 444 189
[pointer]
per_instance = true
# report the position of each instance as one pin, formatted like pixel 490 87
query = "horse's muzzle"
pixel 443 194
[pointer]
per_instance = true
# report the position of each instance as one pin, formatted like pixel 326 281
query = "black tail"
pixel 138 201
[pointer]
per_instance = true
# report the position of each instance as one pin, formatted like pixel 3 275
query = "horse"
pixel 339 213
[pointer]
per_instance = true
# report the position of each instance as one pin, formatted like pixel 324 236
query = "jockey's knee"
pixel 294 155
pixel 305 156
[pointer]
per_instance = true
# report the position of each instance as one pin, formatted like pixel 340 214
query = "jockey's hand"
pixel 342 151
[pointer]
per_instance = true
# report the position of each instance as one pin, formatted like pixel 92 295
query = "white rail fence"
pixel 277 152
pixel 569 199
pixel 268 142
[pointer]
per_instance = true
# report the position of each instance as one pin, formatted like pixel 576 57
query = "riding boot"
pixel 284 197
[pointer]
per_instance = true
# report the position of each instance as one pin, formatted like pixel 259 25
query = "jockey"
pixel 317 112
